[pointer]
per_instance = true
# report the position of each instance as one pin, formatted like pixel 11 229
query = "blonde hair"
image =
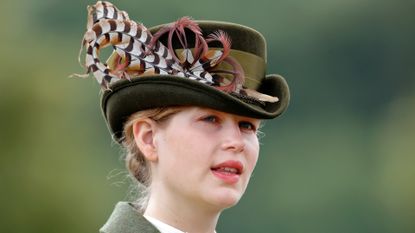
pixel 137 166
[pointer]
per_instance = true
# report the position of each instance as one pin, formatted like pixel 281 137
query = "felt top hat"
pixel 211 64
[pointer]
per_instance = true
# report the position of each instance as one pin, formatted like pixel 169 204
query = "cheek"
pixel 176 149
pixel 253 154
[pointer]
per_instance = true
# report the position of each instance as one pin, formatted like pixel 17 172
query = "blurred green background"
pixel 341 159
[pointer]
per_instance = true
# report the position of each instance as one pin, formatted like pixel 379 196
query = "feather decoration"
pixel 137 53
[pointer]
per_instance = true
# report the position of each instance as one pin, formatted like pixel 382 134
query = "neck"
pixel 182 214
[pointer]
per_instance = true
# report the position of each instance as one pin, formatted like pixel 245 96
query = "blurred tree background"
pixel 341 159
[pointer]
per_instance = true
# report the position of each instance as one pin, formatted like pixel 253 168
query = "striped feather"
pixel 136 52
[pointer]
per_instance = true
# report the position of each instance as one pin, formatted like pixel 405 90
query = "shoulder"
pixel 126 219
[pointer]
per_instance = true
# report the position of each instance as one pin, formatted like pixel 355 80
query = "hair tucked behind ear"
pixel 137 165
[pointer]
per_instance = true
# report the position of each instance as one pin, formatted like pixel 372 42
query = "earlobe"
pixel 144 131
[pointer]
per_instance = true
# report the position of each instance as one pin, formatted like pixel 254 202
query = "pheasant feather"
pixel 136 52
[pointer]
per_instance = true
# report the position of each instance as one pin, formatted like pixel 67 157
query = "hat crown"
pixel 248 47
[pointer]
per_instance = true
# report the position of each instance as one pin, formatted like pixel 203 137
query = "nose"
pixel 232 138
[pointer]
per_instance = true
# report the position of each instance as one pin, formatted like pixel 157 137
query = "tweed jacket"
pixel 126 219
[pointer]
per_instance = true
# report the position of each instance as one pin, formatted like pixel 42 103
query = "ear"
pixel 144 131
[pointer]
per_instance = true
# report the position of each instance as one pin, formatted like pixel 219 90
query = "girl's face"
pixel 204 157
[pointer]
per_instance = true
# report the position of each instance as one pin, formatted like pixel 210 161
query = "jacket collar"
pixel 126 219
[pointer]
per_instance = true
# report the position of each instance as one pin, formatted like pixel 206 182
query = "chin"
pixel 227 198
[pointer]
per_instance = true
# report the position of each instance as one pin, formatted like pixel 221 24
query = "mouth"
pixel 228 171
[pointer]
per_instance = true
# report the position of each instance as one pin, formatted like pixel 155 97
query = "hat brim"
pixel 127 97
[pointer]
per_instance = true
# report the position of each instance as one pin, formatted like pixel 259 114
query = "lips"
pixel 228 171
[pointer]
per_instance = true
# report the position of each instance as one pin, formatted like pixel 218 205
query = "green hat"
pixel 211 64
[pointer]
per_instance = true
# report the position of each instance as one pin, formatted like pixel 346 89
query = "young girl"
pixel 186 100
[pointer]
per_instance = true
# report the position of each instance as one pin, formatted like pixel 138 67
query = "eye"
pixel 211 119
pixel 246 125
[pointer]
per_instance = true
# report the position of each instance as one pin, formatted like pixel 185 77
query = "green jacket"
pixel 126 219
